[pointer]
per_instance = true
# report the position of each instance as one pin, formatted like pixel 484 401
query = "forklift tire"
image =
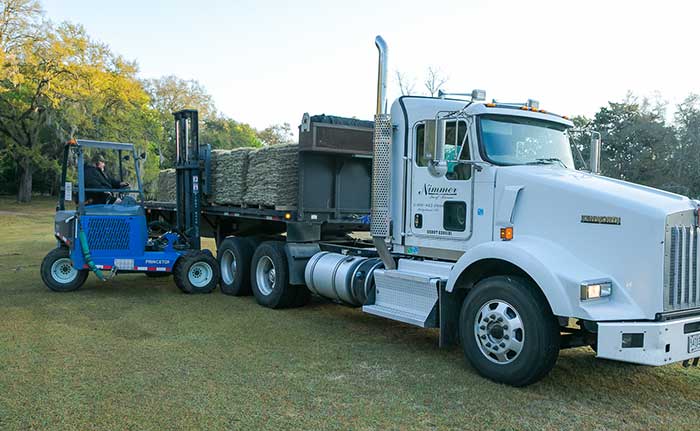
pixel 234 256
pixel 269 277
pixel 196 272
pixel 508 331
pixel 58 274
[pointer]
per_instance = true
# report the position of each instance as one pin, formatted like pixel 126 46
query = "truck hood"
pixel 604 190
pixel 593 227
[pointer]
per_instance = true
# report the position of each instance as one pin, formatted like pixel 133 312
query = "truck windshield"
pixel 513 140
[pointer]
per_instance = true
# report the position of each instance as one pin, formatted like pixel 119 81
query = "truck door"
pixel 439 206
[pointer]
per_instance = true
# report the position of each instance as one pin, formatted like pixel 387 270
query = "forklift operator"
pixel 97 178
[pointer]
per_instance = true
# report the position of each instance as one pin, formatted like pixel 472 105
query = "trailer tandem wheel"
pixel 234 255
pixel 269 276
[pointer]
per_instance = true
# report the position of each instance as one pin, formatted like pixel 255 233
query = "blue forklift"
pixel 113 237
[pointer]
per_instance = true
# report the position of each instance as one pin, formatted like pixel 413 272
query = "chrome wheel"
pixel 200 274
pixel 499 331
pixel 229 267
pixel 265 275
pixel 62 271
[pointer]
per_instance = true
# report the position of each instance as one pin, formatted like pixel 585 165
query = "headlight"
pixel 595 289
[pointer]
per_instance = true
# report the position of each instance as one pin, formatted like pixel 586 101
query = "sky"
pixel 267 62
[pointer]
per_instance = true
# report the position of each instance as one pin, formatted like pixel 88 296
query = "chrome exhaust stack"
pixel 381 163
pixel 382 72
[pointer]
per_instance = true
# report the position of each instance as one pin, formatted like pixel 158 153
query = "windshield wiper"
pixel 547 161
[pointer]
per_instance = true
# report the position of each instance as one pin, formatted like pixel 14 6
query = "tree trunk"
pixel 24 192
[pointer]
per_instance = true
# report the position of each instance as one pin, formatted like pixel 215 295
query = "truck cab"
pixel 447 166
pixel 487 207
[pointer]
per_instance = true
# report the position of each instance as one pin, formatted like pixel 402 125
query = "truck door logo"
pixel 439 191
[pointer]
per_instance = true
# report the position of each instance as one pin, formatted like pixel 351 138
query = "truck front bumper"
pixel 648 342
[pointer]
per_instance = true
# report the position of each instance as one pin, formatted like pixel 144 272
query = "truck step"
pixel 407 297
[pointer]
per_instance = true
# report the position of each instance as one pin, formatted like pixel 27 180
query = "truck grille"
pixel 681 284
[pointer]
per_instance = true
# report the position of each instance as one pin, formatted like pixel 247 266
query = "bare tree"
pixel 407 85
pixel 434 80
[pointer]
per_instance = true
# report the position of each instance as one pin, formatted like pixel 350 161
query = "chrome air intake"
pixel 682 263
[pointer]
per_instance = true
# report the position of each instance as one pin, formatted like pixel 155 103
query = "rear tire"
pixel 196 272
pixel 508 331
pixel 58 273
pixel 234 256
pixel 269 277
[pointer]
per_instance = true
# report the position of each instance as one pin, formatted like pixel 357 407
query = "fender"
pixel 558 274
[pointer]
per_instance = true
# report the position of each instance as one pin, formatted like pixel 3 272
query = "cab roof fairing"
pixel 432 104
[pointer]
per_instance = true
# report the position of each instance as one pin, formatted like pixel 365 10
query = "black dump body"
pixel 334 179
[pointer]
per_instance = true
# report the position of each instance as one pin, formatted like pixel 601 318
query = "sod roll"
pixel 166 186
pixel 272 176
pixel 229 169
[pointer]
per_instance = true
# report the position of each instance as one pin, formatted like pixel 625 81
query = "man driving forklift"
pixel 97 178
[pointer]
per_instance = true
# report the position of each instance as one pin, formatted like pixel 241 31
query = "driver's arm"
pixel 116 184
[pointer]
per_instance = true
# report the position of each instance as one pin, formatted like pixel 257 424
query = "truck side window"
pixel 421 160
pixel 454 216
pixel 457 148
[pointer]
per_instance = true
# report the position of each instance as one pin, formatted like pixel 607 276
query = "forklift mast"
pixel 188 171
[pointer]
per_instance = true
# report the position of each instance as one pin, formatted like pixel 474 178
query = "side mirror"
pixel 142 156
pixel 595 152
pixel 127 158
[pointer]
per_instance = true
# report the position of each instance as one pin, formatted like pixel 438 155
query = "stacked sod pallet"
pixel 272 176
pixel 166 186
pixel 229 169
pixel 244 176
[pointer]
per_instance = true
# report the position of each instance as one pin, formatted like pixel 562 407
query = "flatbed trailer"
pixel 332 212
pixel 333 179
pixel 219 222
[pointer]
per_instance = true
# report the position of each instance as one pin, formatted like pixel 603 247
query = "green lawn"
pixel 135 353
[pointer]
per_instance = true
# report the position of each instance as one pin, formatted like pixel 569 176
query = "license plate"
pixel 694 343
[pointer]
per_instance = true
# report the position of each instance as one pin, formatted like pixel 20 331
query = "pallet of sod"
pixel 167 182
pixel 229 169
pixel 272 176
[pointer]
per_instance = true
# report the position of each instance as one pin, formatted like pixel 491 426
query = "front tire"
pixel 196 272
pixel 508 331
pixel 58 273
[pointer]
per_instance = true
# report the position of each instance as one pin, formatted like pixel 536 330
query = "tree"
pixel 434 80
pixel 277 134
pixel 36 75
pixel 407 86
pixel 19 22
pixel 685 156
pixel 224 133
pixel 636 141
pixel 56 84
pixel 170 94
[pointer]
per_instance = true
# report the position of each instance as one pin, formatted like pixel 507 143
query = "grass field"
pixel 135 354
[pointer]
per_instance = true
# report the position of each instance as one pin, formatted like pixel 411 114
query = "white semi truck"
pixel 480 227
